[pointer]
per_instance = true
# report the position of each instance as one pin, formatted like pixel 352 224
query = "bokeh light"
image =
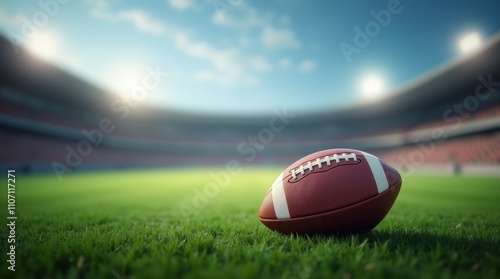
pixel 372 86
pixel 470 43
pixel 43 45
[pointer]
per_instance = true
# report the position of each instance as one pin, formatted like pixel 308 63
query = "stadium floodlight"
pixel 124 79
pixel 372 86
pixel 470 43
pixel 43 45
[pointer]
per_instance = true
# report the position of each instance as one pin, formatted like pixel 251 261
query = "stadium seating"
pixel 44 112
pixel 478 149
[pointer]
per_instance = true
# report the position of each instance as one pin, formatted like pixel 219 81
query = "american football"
pixel 335 191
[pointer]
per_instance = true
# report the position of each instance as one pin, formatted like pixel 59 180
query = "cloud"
pixel 273 38
pixel 285 63
pixel 230 66
pixel 143 21
pixel 182 5
pixel 245 41
pixel 13 20
pixel 140 19
pixel 247 17
pixel 198 49
pixel 227 60
pixel 226 79
pixel 307 66
pixel 260 64
pixel 98 4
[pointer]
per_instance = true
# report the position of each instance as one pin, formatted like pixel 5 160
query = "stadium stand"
pixel 44 111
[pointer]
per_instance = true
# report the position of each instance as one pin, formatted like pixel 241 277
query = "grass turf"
pixel 141 224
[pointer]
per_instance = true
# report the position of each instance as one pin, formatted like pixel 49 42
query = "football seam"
pixel 319 163
pixel 288 175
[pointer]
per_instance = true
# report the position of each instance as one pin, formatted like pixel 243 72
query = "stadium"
pixel 108 186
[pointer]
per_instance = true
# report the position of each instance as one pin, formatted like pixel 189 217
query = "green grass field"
pixel 129 225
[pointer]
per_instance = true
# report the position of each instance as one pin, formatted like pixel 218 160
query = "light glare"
pixel 470 43
pixel 125 79
pixel 372 86
pixel 43 45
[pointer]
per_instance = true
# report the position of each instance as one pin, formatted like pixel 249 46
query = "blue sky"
pixel 243 56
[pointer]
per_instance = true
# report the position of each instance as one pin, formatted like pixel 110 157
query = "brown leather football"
pixel 335 191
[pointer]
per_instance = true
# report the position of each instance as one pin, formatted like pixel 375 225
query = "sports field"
pixel 130 225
